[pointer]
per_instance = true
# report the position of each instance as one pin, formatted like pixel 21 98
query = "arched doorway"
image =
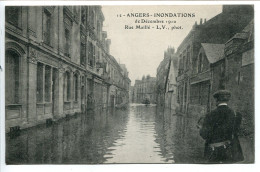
pixel 12 88
pixel 12 77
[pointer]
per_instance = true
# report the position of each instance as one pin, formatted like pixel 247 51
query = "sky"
pixel 142 50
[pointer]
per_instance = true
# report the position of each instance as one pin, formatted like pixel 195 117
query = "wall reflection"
pixel 80 139
pixel 140 134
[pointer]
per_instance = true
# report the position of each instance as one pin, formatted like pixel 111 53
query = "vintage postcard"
pixel 128 84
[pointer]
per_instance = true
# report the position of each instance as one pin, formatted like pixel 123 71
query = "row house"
pixel 57 62
pixel 119 92
pixel 207 78
pixel 161 76
pixel 193 61
pixel 226 66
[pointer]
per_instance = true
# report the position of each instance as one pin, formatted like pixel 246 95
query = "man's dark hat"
pixel 222 95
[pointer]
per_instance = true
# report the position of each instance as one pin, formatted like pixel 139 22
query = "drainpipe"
pixel 27 35
pixel 226 71
pixel 58 30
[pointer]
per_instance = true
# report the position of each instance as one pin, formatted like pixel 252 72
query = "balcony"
pixel 47 38
pixel 99 64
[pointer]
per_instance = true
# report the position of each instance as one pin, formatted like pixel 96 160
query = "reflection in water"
pixel 178 137
pixel 141 134
pixel 138 145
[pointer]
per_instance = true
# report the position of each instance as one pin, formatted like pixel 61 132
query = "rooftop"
pixel 214 52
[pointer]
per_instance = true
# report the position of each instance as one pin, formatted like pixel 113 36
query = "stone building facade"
pixel 218 54
pixel 58 63
pixel 144 89
pixel 192 70
pixel 227 66
pixel 239 56
pixel 208 78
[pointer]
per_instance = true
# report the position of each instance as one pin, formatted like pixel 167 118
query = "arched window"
pixel 75 81
pixel 12 77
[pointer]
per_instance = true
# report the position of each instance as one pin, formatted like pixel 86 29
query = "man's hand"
pixel 200 122
pixel 199 126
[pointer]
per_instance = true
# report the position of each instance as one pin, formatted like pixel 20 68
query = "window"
pixel 178 95
pixel 98 57
pixel 203 63
pixel 195 94
pixel 12 78
pixel 200 93
pixel 75 79
pixel 67 87
pixel 92 18
pixel 76 12
pixel 98 29
pixel 185 93
pixel 184 61
pixel 83 15
pixel 181 65
pixel 13 15
pixel 188 57
pixel 91 58
pixel 39 94
pixel 204 93
pixel 47 27
pixel 200 64
pixel 67 42
pixel 222 76
pixel 48 82
pixel 82 50
pixel 181 95
pixel 82 53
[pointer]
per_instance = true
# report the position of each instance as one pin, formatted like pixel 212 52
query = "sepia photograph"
pixel 128 84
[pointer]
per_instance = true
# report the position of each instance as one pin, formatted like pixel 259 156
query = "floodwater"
pixel 140 134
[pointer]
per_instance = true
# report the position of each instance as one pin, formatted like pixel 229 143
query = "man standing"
pixel 219 129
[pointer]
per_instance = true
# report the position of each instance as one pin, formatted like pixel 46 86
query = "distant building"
pixel 161 76
pixel 144 89
pixel 131 94
pixel 171 84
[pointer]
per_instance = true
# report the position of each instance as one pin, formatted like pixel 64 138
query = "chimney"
pixel 200 21
pixel 195 24
pixel 205 20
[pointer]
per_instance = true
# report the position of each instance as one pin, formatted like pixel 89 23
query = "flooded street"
pixel 140 134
